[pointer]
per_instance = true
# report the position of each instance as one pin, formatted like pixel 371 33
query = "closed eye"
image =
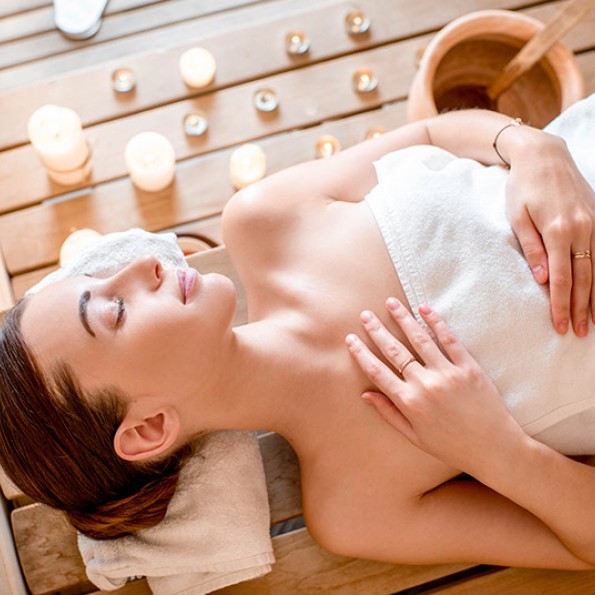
pixel 121 311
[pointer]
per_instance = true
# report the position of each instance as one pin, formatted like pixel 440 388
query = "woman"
pixel 148 359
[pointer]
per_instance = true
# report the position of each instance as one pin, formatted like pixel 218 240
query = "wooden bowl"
pixel 468 54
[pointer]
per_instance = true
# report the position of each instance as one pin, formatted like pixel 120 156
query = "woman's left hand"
pixel 551 209
pixel 447 406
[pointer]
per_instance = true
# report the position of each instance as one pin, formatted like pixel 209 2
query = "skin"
pixel 310 257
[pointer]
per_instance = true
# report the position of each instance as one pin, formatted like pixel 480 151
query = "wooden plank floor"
pixel 38 66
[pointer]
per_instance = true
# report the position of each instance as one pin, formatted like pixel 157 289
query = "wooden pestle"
pixel 539 44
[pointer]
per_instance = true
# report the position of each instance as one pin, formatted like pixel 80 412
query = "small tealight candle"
pixel 375 132
pixel 151 161
pixel 197 67
pixel 75 242
pixel 57 136
pixel 247 165
pixel 326 146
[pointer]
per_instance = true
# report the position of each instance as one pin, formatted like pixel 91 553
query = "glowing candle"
pixel 75 242
pixel 57 136
pixel 247 165
pixel 326 146
pixel 197 67
pixel 151 161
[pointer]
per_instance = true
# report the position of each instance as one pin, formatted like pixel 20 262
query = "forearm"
pixel 556 489
pixel 471 134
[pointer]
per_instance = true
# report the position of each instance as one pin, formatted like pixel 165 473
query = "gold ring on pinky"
pixel 405 364
pixel 581 254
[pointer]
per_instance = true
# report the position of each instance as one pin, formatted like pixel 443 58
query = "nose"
pixel 145 271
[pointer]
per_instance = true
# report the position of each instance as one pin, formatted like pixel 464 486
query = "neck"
pixel 252 387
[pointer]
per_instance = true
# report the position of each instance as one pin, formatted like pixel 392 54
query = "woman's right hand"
pixel 444 403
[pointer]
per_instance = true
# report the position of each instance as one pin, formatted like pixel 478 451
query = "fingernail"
pixel 425 309
pixel 563 327
pixel 392 303
pixel 539 273
pixel 366 316
pixel 583 329
pixel 351 340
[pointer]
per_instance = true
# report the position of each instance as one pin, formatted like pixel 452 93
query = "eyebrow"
pixel 83 303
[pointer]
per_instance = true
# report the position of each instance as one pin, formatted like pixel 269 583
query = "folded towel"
pixel 216 530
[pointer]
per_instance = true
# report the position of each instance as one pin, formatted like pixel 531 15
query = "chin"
pixel 222 289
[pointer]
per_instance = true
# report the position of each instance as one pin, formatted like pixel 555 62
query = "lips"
pixel 187 279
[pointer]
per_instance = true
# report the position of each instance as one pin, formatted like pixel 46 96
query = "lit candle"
pixel 197 67
pixel 151 161
pixel 326 146
pixel 247 164
pixel 57 136
pixel 75 242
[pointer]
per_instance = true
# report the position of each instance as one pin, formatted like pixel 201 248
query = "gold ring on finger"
pixel 582 254
pixel 405 364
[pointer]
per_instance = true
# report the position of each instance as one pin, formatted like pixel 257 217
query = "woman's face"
pixel 148 331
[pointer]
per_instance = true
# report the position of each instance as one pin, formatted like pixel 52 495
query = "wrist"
pixel 518 143
pixel 506 458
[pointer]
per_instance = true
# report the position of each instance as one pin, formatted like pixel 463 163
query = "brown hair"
pixel 56 445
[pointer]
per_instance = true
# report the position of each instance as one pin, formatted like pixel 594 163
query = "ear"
pixel 140 438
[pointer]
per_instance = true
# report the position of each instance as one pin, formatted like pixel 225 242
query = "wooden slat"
pixel 50 558
pixel 256 53
pixel 281 468
pixel 186 32
pixel 41 20
pixel 139 587
pixel 8 7
pixel 9 490
pixel 119 25
pixel 527 582
pixel 303 568
pixel 6 295
pixel 202 189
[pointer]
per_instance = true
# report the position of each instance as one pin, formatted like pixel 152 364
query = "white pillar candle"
pixel 57 136
pixel 75 242
pixel 197 67
pixel 151 161
pixel 247 164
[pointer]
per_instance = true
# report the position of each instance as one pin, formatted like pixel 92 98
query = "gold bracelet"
pixel 515 122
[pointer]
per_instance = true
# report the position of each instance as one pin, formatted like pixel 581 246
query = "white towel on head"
pixel 111 252
pixel 216 530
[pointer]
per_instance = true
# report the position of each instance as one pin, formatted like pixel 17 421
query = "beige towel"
pixel 216 530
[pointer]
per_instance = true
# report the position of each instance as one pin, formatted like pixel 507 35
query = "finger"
pixel 377 372
pixel 582 279
pixel 394 351
pixel 391 414
pixel 417 335
pixel 445 336
pixel 560 285
pixel 532 245
pixel 592 261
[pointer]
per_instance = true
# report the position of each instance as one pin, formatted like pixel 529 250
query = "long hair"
pixel 56 445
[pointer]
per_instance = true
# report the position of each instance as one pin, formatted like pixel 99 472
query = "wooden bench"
pixel 38 66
